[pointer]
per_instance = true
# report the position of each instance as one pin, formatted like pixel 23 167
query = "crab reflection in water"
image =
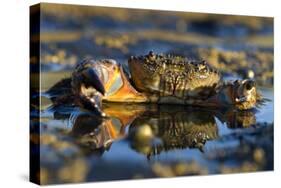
pixel 153 129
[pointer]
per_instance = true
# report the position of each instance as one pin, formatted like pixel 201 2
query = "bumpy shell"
pixel 176 76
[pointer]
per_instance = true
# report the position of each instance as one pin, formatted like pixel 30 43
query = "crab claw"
pixel 91 78
pixel 88 86
pixel 92 90
pixel 246 94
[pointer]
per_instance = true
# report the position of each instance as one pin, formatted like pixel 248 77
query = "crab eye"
pixel 151 53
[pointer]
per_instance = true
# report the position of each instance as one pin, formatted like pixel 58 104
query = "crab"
pixel 161 79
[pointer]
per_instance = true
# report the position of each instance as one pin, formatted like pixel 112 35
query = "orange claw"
pixel 126 92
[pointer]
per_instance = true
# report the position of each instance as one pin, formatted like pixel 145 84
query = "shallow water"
pixel 141 148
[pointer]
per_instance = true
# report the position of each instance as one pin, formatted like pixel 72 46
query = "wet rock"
pixel 76 171
pixel 179 169
pixel 142 134
pixel 259 156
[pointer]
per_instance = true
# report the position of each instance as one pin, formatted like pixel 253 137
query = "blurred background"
pixel 241 45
